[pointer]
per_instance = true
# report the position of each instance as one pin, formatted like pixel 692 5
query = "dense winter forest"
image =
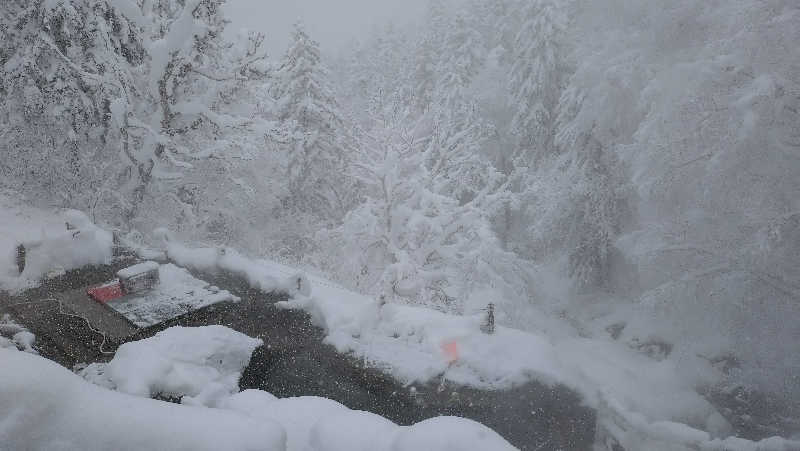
pixel 590 167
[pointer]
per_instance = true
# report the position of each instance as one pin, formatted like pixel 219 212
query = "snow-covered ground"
pixel 418 345
pixel 48 407
pixel 50 247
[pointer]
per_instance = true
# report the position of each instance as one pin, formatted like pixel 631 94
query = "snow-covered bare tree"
pixel 189 66
pixel 119 95
pixel 64 65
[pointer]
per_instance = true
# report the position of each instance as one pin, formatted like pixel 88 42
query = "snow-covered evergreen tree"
pixel 427 54
pixel 537 76
pixel 189 66
pixel 319 143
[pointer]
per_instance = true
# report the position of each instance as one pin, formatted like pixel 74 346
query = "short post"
pixel 488 326
pixel 21 258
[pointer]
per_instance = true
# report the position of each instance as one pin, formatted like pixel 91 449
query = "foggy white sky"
pixel 331 22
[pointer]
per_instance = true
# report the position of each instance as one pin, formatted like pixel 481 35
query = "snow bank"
pixel 319 424
pixel 260 274
pixel 176 292
pixel 207 361
pixel 50 247
pixel 44 406
pixel 416 344
pixel 199 364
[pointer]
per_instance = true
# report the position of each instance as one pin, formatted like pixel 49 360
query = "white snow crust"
pixel 198 364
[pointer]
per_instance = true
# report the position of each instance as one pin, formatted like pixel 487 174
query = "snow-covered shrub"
pixel 409 242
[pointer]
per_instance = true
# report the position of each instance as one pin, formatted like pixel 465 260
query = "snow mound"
pixel 176 293
pixel 335 432
pixel 199 364
pixel 297 415
pixel 44 406
pixel 49 246
pixel 319 424
pixel 449 433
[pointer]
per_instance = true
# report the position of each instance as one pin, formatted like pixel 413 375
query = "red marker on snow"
pixel 450 349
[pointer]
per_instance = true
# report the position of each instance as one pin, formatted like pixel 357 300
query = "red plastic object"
pixel 450 349
pixel 105 293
